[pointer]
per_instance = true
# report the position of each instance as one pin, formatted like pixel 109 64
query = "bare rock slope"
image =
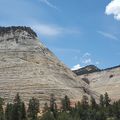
pixel 28 67
pixel 107 80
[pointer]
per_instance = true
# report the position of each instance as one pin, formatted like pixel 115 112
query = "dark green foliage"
pixel 107 100
pixel 116 110
pixel 52 103
pixel 23 111
pixel 8 111
pixel 18 109
pixel 66 103
pixel 46 108
pixel 100 115
pixel 84 102
pixel 48 116
pixel 82 110
pixel 101 101
pixel 93 103
pixel 33 108
pixel 1 109
pixel 4 30
pixel 64 116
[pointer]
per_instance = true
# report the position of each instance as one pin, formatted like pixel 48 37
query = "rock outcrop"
pixel 86 70
pixel 107 80
pixel 28 67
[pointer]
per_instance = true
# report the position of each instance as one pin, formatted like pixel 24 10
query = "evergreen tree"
pixel 8 111
pixel 18 109
pixel 106 100
pixel 46 108
pixel 93 103
pixel 48 116
pixel 1 109
pixel 84 102
pixel 16 112
pixel 66 103
pixel 64 116
pixel 101 115
pixel 101 101
pixel 33 108
pixel 23 111
pixel 116 110
pixel 52 103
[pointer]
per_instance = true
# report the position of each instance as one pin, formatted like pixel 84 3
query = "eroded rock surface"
pixel 107 80
pixel 28 67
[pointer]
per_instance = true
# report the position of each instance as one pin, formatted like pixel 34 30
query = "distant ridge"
pixel 111 68
pixel 86 70
pixel 91 69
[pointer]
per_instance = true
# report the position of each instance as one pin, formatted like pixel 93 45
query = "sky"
pixel 78 32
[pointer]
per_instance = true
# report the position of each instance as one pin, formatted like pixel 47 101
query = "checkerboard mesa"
pixel 30 68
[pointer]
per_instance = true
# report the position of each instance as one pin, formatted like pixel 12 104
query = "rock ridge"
pixel 13 29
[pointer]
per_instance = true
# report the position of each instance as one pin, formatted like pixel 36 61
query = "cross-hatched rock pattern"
pixel 28 67
pixel 107 80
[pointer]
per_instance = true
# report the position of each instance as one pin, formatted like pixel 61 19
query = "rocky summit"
pixel 28 67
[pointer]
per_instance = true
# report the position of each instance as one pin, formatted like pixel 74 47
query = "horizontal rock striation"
pixel 28 67
pixel 107 80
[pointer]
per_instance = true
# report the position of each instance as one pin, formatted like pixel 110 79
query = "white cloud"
pixel 86 54
pixel 47 30
pixel 53 30
pixel 76 67
pixel 49 4
pixel 113 8
pixel 86 58
pixel 87 61
pixel 108 35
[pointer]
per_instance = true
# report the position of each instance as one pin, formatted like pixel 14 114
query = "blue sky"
pixel 79 32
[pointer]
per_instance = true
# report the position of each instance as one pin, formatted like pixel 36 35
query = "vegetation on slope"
pixel 83 110
pixel 6 30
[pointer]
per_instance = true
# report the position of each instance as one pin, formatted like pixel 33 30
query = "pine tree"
pixel 46 108
pixel 64 116
pixel 116 110
pixel 93 103
pixel 52 103
pixel 33 108
pixel 106 100
pixel 23 111
pixel 8 111
pixel 48 116
pixel 101 101
pixel 66 103
pixel 18 110
pixel 84 102
pixel 1 109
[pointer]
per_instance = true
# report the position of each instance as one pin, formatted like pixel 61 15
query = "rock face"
pixel 107 80
pixel 86 70
pixel 28 67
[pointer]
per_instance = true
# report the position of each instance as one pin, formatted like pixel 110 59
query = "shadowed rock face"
pixel 86 70
pixel 13 29
pixel 28 67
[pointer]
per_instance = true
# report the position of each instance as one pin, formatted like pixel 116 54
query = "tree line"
pixel 84 110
